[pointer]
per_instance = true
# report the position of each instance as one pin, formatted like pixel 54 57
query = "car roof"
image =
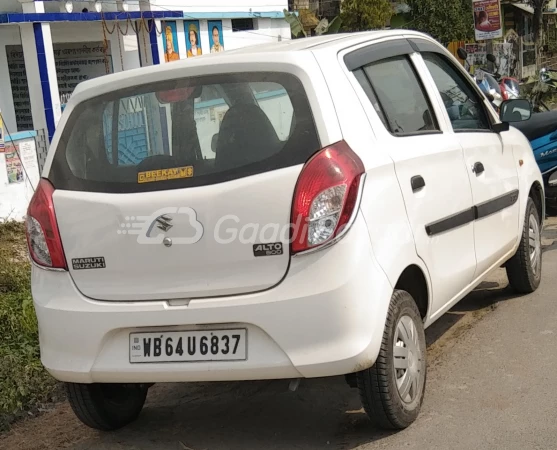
pixel 321 42
pixel 251 54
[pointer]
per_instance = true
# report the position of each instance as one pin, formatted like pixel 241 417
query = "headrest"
pixel 246 136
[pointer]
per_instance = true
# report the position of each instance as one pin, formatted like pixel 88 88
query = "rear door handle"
pixel 553 136
pixel 478 168
pixel 417 182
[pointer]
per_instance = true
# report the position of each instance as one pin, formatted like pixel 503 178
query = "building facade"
pixel 48 47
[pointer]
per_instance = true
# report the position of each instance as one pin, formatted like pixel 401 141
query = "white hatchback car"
pixel 293 210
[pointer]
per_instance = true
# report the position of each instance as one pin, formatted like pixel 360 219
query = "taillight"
pixel 325 197
pixel 43 237
pixel 504 92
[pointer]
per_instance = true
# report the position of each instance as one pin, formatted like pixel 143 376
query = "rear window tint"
pixel 184 133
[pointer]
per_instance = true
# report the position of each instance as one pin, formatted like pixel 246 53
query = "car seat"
pixel 246 136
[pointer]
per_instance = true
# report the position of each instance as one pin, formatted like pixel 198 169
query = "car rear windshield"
pixel 186 132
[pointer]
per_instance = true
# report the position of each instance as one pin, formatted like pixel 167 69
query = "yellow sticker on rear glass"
pixel 165 174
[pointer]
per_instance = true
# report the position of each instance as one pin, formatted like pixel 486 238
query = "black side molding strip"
pixel 475 213
pixel 451 222
pixel 495 205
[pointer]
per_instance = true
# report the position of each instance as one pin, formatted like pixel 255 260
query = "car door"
pixel 489 159
pixel 429 165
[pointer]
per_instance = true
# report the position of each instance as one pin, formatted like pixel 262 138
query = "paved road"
pixel 492 370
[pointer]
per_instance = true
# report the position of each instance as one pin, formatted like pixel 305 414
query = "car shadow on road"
pixel 265 415
pixel 321 414
pixel 470 309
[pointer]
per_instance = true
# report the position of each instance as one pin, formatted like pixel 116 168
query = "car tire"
pixel 106 407
pixel 524 269
pixel 392 396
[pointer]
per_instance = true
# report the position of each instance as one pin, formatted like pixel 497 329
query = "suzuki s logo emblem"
pixel 163 223
pixel 152 229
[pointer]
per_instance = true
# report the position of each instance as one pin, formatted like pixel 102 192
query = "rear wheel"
pixel 392 390
pixel 524 269
pixel 106 407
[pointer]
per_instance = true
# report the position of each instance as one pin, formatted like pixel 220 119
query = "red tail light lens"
pixel 43 237
pixel 504 92
pixel 326 196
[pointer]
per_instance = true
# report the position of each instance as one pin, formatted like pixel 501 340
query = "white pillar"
pixel 150 44
pixel 144 42
pixel 204 36
pixel 36 40
pixel 181 34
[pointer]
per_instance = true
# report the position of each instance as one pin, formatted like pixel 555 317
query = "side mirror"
pixel 515 110
pixel 462 54
pixel 491 58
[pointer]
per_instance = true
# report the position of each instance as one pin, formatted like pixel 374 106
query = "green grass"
pixel 24 384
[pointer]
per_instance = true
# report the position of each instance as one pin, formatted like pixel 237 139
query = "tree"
pixel 539 6
pixel 363 15
pixel 446 21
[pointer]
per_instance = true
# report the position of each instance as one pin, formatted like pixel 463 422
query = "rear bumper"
pixel 326 318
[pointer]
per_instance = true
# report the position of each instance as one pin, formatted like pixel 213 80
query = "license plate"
pixel 188 346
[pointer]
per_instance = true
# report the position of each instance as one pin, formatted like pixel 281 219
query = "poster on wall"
pixel 13 164
pixel 170 42
pixel 216 40
pixel 506 59
pixel 193 44
pixel 487 19
pixel 28 155
pixel 2 147
pixel 75 62
pixel 477 56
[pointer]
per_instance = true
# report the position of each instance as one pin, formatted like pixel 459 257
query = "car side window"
pixel 464 105
pixel 366 86
pixel 397 95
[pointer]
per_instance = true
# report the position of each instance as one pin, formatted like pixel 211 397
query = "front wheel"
pixel 392 390
pixel 106 407
pixel 524 269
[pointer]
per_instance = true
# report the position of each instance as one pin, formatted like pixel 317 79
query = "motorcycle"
pixel 485 80
pixel 547 82
pixel 540 130
pixel 509 87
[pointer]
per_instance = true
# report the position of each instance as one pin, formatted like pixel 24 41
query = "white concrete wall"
pixel 219 5
pixel 197 5
pixel 64 33
pixel 93 32
pixel 15 197
pixel 267 30
pixel 9 35
pixel 57 6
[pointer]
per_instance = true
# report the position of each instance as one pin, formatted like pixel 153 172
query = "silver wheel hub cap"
pixel 407 358
pixel 534 240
